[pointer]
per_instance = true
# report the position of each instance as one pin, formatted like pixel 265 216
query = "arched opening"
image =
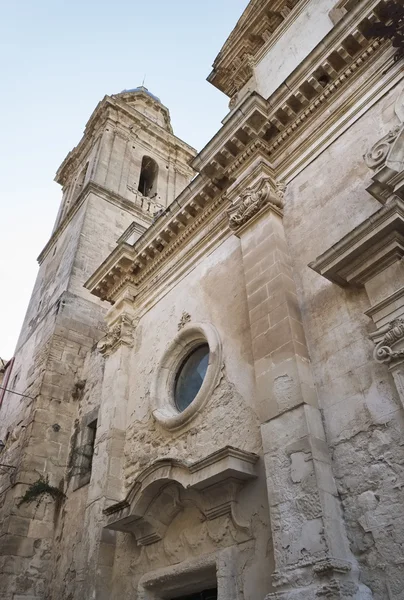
pixel 148 177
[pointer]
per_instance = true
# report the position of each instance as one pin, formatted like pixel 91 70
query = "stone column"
pixel 312 555
pixel 106 479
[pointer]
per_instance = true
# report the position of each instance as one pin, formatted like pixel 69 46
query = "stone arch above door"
pixel 153 502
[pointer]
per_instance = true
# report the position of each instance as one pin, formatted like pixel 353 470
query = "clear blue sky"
pixel 58 58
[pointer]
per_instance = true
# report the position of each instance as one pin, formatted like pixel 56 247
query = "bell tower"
pixel 127 167
pixel 129 149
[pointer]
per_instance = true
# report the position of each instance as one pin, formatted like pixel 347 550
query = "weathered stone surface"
pixel 297 387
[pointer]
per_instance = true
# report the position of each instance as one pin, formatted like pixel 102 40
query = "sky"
pixel 58 58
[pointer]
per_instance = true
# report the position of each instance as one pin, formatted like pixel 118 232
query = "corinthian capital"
pixel 250 202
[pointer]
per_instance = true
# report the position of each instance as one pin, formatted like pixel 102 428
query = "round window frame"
pixel 188 339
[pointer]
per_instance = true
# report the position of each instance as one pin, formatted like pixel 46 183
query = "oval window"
pixel 190 377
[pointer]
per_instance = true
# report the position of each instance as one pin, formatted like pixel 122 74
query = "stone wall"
pixel 359 401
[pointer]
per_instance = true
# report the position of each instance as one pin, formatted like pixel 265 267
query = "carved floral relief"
pixel 250 202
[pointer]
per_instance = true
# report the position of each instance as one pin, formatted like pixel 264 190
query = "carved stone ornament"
pixel 185 318
pixel 386 159
pixel 384 351
pixel 120 333
pixel 253 199
pixel 378 154
pixel 233 101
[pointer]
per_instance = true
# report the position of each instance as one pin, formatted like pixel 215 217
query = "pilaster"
pixel 312 555
pixel 106 480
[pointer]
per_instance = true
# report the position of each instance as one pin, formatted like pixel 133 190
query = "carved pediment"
pixel 155 499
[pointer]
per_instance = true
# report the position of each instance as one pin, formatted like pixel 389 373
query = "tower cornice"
pixel 109 109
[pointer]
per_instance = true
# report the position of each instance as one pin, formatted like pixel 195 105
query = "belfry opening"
pixel 148 177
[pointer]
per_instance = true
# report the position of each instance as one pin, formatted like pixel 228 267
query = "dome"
pixel 143 89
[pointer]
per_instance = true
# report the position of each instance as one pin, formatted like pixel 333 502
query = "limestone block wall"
pixel 361 411
pixel 70 544
pixel 103 224
pixel 40 430
pixel 173 174
pixel 53 277
pixel 62 325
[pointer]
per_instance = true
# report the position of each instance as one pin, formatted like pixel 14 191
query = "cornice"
pixel 370 84
pixel 367 250
pixel 152 127
pixel 108 110
pixel 143 265
pixel 135 264
pixel 94 125
pixel 148 100
pixel 269 127
pixel 261 22
pixel 198 247
pixel 395 299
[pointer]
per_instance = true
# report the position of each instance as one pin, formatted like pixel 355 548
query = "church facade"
pixel 206 398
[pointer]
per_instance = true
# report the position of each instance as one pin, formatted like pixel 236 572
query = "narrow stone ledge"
pixel 367 250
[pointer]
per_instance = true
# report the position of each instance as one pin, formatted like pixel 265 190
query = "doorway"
pixel 205 595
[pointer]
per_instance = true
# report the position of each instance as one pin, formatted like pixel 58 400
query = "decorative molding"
pixel 105 114
pixel 190 336
pixel 386 158
pixel 367 250
pixel 332 564
pixel 200 570
pixel 379 152
pixel 144 203
pixel 134 264
pixel 253 199
pixel 119 334
pixel 393 333
pixel 387 309
pixel 259 24
pixel 153 501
